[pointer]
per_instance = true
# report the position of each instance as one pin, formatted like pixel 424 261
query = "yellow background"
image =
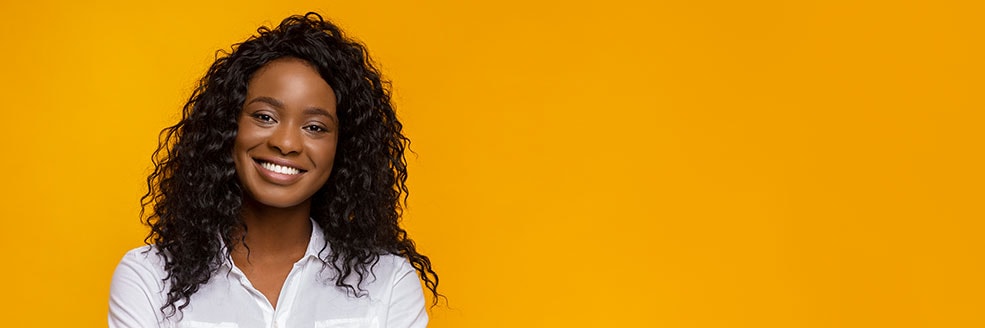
pixel 609 163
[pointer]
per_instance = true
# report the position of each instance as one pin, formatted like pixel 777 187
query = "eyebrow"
pixel 319 111
pixel 268 100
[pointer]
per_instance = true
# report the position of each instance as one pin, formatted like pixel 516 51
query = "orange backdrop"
pixel 605 163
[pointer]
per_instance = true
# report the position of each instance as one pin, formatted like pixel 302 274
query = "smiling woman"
pixel 275 201
pixel 285 145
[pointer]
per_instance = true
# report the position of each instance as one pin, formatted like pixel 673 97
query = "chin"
pixel 279 202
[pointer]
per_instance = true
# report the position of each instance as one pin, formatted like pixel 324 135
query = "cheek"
pixel 323 153
pixel 245 140
pixel 328 155
pixel 247 136
pixel 238 150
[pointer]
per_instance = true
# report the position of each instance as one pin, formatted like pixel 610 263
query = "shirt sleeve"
pixel 135 294
pixel 406 308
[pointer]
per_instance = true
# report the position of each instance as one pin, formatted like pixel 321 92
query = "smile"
pixel 287 170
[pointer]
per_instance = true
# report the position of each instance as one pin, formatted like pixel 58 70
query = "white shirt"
pixel 309 297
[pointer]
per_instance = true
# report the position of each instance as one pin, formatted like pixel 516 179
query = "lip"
pixel 274 177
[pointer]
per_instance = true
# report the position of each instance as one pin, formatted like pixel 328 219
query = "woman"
pixel 275 200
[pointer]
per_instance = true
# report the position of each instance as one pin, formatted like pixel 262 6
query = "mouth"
pixel 281 169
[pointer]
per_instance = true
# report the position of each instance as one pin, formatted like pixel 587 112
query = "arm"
pixel 406 308
pixel 135 292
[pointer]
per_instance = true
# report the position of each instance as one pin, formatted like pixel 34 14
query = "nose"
pixel 286 139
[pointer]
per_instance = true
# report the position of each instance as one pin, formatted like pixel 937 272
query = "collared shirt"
pixel 309 297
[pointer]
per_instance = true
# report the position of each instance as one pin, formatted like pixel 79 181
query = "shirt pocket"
pixel 348 323
pixel 200 324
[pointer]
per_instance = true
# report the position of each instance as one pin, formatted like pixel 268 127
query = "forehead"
pixel 291 80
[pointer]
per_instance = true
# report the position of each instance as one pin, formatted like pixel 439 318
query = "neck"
pixel 275 231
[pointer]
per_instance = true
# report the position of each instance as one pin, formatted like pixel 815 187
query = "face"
pixel 288 131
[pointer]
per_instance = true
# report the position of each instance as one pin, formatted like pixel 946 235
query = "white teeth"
pixel 280 169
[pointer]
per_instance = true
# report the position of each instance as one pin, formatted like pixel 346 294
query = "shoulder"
pixel 137 289
pixel 398 274
pixel 404 296
pixel 380 276
pixel 144 253
pixel 144 258
pixel 396 262
pixel 141 267
pixel 392 266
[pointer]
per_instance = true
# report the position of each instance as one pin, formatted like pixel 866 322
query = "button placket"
pixel 288 293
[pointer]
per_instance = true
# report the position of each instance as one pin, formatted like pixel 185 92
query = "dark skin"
pixel 284 151
pixel 275 245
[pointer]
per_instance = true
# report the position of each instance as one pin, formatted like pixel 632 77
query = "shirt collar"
pixel 316 242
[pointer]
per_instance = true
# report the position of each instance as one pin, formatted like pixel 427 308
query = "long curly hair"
pixel 194 195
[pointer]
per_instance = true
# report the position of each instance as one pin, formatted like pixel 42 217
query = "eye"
pixel 315 128
pixel 262 117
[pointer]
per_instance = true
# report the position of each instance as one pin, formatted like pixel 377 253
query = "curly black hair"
pixel 194 194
